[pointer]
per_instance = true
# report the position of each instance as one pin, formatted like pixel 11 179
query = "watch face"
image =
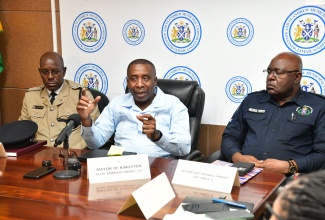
pixel 292 169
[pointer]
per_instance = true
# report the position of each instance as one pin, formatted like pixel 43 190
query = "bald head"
pixel 291 58
pixel 53 56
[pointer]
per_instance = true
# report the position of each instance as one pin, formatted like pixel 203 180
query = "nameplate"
pixel 206 176
pixel 151 197
pixel 119 168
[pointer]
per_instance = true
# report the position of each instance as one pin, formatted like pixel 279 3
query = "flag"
pixel 1 63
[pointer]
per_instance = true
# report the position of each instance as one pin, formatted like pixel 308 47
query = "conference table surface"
pixel 50 198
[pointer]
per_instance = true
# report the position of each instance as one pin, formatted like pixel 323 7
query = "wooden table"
pixel 49 198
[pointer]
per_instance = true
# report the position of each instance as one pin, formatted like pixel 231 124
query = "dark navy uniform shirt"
pixel 262 128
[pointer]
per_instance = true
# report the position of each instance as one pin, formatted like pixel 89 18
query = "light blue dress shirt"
pixel 120 117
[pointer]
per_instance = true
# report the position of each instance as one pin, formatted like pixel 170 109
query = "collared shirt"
pixel 37 107
pixel 120 117
pixel 262 128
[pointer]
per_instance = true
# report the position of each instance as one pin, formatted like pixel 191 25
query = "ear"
pixel 64 70
pixel 155 80
pixel 298 78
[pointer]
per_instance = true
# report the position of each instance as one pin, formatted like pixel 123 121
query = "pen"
pixel 229 203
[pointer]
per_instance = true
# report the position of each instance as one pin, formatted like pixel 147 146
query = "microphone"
pixel 73 121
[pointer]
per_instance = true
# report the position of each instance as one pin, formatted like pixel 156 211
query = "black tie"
pixel 53 94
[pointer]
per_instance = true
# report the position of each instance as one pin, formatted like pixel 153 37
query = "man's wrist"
pixel 236 157
pixel 87 122
pixel 159 135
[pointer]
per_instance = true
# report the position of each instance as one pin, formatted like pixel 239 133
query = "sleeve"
pixel 178 140
pixel 234 134
pixel 316 159
pixel 24 110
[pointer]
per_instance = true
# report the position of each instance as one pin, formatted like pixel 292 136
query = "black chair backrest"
pixel 192 96
pixel 103 102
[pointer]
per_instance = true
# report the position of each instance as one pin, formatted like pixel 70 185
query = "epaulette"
pixel 74 85
pixel 261 91
pixel 38 88
pixel 319 95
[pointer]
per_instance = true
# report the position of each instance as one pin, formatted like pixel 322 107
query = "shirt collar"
pixel 56 91
pixel 297 98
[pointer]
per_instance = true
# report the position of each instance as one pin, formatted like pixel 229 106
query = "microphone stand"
pixel 66 173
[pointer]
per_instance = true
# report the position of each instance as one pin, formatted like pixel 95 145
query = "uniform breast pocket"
pixel 300 125
pixel 256 122
pixel 37 114
pixel 251 117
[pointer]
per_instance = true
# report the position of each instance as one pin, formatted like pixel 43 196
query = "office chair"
pixel 217 155
pixel 193 97
pixel 103 102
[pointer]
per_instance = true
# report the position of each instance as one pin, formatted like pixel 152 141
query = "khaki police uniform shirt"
pixel 38 108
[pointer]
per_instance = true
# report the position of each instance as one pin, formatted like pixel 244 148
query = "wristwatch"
pixel 292 167
pixel 159 136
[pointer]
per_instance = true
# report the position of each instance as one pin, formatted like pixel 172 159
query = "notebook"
pixel 30 147
pixel 99 153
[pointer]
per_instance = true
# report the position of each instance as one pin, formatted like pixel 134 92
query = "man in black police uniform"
pixel 282 128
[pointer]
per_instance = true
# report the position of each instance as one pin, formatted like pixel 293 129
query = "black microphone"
pixel 73 121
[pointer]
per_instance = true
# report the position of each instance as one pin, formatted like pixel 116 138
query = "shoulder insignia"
pixel 73 85
pixel 38 88
pixel 316 94
pixel 261 91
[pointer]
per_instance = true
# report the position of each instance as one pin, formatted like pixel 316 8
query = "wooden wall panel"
pixel 27 35
pixel 23 5
pixel 11 103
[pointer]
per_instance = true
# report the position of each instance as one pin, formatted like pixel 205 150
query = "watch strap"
pixel 159 137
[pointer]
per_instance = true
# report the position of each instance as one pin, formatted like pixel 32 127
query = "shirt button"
pixel 268 141
pixel 68 114
pixel 35 116
pixel 52 140
pixel 51 109
pixel 272 130
pixel 265 153
pixel 52 125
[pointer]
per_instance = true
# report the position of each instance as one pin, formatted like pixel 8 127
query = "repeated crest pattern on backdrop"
pixel 224 48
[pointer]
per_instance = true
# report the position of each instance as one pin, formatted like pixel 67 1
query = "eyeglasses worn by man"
pixel 280 129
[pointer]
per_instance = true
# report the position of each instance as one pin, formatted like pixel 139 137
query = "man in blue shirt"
pixel 282 128
pixel 145 121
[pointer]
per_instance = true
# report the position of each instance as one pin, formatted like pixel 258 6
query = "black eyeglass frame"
pixel 278 73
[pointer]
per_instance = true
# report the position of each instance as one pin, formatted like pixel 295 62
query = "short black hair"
pixel 306 199
pixel 142 61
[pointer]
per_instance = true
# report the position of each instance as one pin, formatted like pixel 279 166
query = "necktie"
pixel 53 94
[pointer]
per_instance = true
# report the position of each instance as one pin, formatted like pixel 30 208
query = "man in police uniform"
pixel 44 107
pixel 280 129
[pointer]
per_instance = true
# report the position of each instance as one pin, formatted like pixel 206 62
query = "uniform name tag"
pixel 260 111
pixel 38 107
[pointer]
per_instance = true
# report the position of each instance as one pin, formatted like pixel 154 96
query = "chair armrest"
pixel 195 155
pixel 218 155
